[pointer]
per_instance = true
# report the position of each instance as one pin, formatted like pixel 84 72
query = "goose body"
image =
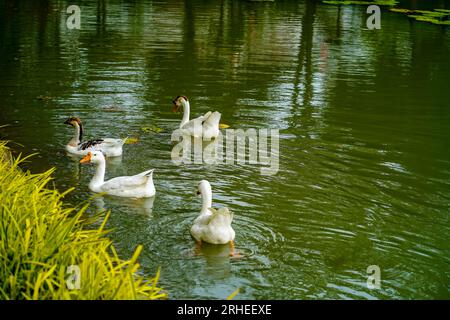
pixel 205 126
pixel 110 147
pixel 137 186
pixel 212 226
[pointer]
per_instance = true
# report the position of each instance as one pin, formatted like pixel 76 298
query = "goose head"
pixel 203 188
pixel 73 121
pixel 95 157
pixel 178 102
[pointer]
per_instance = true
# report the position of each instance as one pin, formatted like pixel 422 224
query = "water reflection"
pixel 217 258
pixel 363 119
pixel 133 206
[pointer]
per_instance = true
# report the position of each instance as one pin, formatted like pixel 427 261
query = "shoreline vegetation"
pixel 42 239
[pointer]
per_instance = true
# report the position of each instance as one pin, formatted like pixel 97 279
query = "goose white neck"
pixel 186 112
pixel 99 177
pixel 206 198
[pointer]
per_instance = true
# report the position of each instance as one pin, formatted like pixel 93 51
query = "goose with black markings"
pixel 205 126
pixel 109 146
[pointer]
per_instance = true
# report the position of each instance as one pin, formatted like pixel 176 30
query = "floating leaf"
pixel 347 2
pixel 430 19
pixel 401 10
pixel 223 126
pixel 131 141
pixel 154 129
pixel 231 296
pixel 437 16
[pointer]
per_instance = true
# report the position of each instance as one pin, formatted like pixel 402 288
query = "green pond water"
pixel 363 116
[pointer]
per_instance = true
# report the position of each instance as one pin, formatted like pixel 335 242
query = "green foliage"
pixel 40 238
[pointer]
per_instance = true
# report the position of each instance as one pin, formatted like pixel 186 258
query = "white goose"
pixel 206 126
pixel 212 226
pixel 138 186
pixel 110 147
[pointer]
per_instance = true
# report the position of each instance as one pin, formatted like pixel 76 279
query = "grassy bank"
pixel 41 238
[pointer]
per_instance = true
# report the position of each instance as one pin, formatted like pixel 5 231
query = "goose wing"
pixel 135 181
pixel 206 115
pixel 222 217
pixel 213 119
pixel 109 142
pixel 101 143
pixel 190 125
pixel 90 144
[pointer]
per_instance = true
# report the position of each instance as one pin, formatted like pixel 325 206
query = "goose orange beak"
pixel 87 158
pixel 175 108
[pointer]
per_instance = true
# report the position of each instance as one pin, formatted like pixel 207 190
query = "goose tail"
pixel 213 119
pixel 149 175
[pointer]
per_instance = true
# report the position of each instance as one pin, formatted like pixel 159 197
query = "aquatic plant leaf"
pixel 131 141
pixel 430 19
pixel 231 296
pixel 154 129
pixel 437 16
pixel 432 13
pixel 401 10
pixel 357 2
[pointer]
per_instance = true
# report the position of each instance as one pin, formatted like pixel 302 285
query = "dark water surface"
pixel 364 124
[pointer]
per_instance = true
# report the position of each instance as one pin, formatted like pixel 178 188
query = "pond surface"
pixel 364 120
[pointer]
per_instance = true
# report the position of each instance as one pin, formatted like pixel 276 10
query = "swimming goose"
pixel 206 126
pixel 137 186
pixel 110 147
pixel 212 226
